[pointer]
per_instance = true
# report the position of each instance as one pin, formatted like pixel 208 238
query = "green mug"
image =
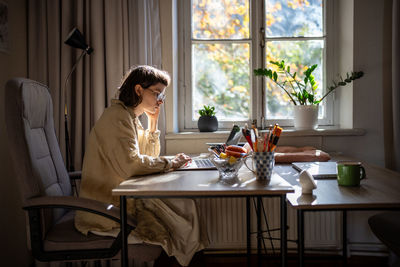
pixel 349 173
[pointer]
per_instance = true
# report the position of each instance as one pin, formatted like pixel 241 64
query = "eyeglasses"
pixel 160 96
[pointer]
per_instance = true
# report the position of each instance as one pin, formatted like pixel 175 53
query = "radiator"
pixel 226 225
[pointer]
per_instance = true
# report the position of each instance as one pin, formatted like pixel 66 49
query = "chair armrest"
pixel 76 203
pixel 75 175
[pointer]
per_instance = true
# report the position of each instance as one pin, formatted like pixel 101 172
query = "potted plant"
pixel 207 121
pixel 303 92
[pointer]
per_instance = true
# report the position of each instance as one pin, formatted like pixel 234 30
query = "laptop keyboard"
pixel 203 163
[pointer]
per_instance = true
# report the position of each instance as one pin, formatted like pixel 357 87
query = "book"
pixel 319 170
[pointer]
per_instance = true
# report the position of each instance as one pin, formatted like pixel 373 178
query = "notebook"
pixel 319 170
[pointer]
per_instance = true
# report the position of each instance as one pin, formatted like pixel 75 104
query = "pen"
pixel 268 137
pixel 271 136
pixel 276 138
pixel 214 150
pixel 265 141
pixel 246 134
pixel 253 139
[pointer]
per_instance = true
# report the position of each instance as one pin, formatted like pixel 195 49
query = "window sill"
pixel 287 131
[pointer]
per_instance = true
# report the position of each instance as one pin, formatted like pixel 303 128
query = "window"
pixel 224 40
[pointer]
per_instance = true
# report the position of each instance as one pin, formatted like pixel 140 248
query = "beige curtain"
pixel 145 45
pixel 391 84
pixel 122 33
pixel 396 84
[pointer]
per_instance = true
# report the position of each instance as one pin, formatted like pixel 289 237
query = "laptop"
pixel 198 163
pixel 319 170
pixel 203 162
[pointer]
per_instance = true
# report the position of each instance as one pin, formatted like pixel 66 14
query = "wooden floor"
pixel 223 260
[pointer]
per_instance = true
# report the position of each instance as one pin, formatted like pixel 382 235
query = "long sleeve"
pixel 118 149
pixel 129 149
pixel 149 143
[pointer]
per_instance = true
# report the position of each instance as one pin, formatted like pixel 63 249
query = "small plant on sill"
pixel 207 121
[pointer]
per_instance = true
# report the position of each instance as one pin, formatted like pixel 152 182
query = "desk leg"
pixel 259 231
pixel 248 228
pixel 300 237
pixel 283 231
pixel 124 248
pixel 344 237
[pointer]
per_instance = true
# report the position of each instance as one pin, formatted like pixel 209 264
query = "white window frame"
pixel 257 108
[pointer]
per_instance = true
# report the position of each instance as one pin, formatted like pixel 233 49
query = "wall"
pixel 14 251
pixel 367 48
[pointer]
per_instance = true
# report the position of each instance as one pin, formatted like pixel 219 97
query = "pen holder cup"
pixel 262 166
pixel 227 168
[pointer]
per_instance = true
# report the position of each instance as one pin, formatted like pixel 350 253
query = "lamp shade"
pixel 76 40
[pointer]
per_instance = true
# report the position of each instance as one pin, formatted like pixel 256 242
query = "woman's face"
pixel 153 97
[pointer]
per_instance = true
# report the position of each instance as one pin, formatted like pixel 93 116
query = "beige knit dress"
pixel 119 149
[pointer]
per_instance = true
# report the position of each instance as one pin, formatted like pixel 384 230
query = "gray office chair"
pixel 45 186
pixel 386 227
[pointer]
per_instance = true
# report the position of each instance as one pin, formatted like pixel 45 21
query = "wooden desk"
pixel 380 190
pixel 205 184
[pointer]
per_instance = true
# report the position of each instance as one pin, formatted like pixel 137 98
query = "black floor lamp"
pixel 76 40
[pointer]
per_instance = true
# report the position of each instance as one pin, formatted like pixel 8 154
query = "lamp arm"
pixel 68 154
pixel 67 79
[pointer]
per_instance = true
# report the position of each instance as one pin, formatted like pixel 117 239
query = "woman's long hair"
pixel 143 75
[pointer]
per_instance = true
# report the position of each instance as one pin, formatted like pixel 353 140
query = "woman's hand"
pixel 153 119
pixel 153 115
pixel 179 160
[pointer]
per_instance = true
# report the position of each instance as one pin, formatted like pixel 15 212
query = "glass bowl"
pixel 228 168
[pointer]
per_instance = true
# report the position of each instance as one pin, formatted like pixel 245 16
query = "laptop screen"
pixel 233 138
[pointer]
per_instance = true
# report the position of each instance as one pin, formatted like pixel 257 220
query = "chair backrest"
pixel 34 148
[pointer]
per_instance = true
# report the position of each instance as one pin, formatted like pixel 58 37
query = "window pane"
pixel 292 18
pixel 221 77
pixel 227 19
pixel 298 55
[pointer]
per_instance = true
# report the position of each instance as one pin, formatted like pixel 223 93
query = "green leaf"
pixel 310 98
pixel 275 76
pixel 207 111
pixel 315 87
pixel 276 63
pixel 269 73
pixel 313 67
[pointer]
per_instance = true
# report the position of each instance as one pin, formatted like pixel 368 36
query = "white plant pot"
pixel 305 117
